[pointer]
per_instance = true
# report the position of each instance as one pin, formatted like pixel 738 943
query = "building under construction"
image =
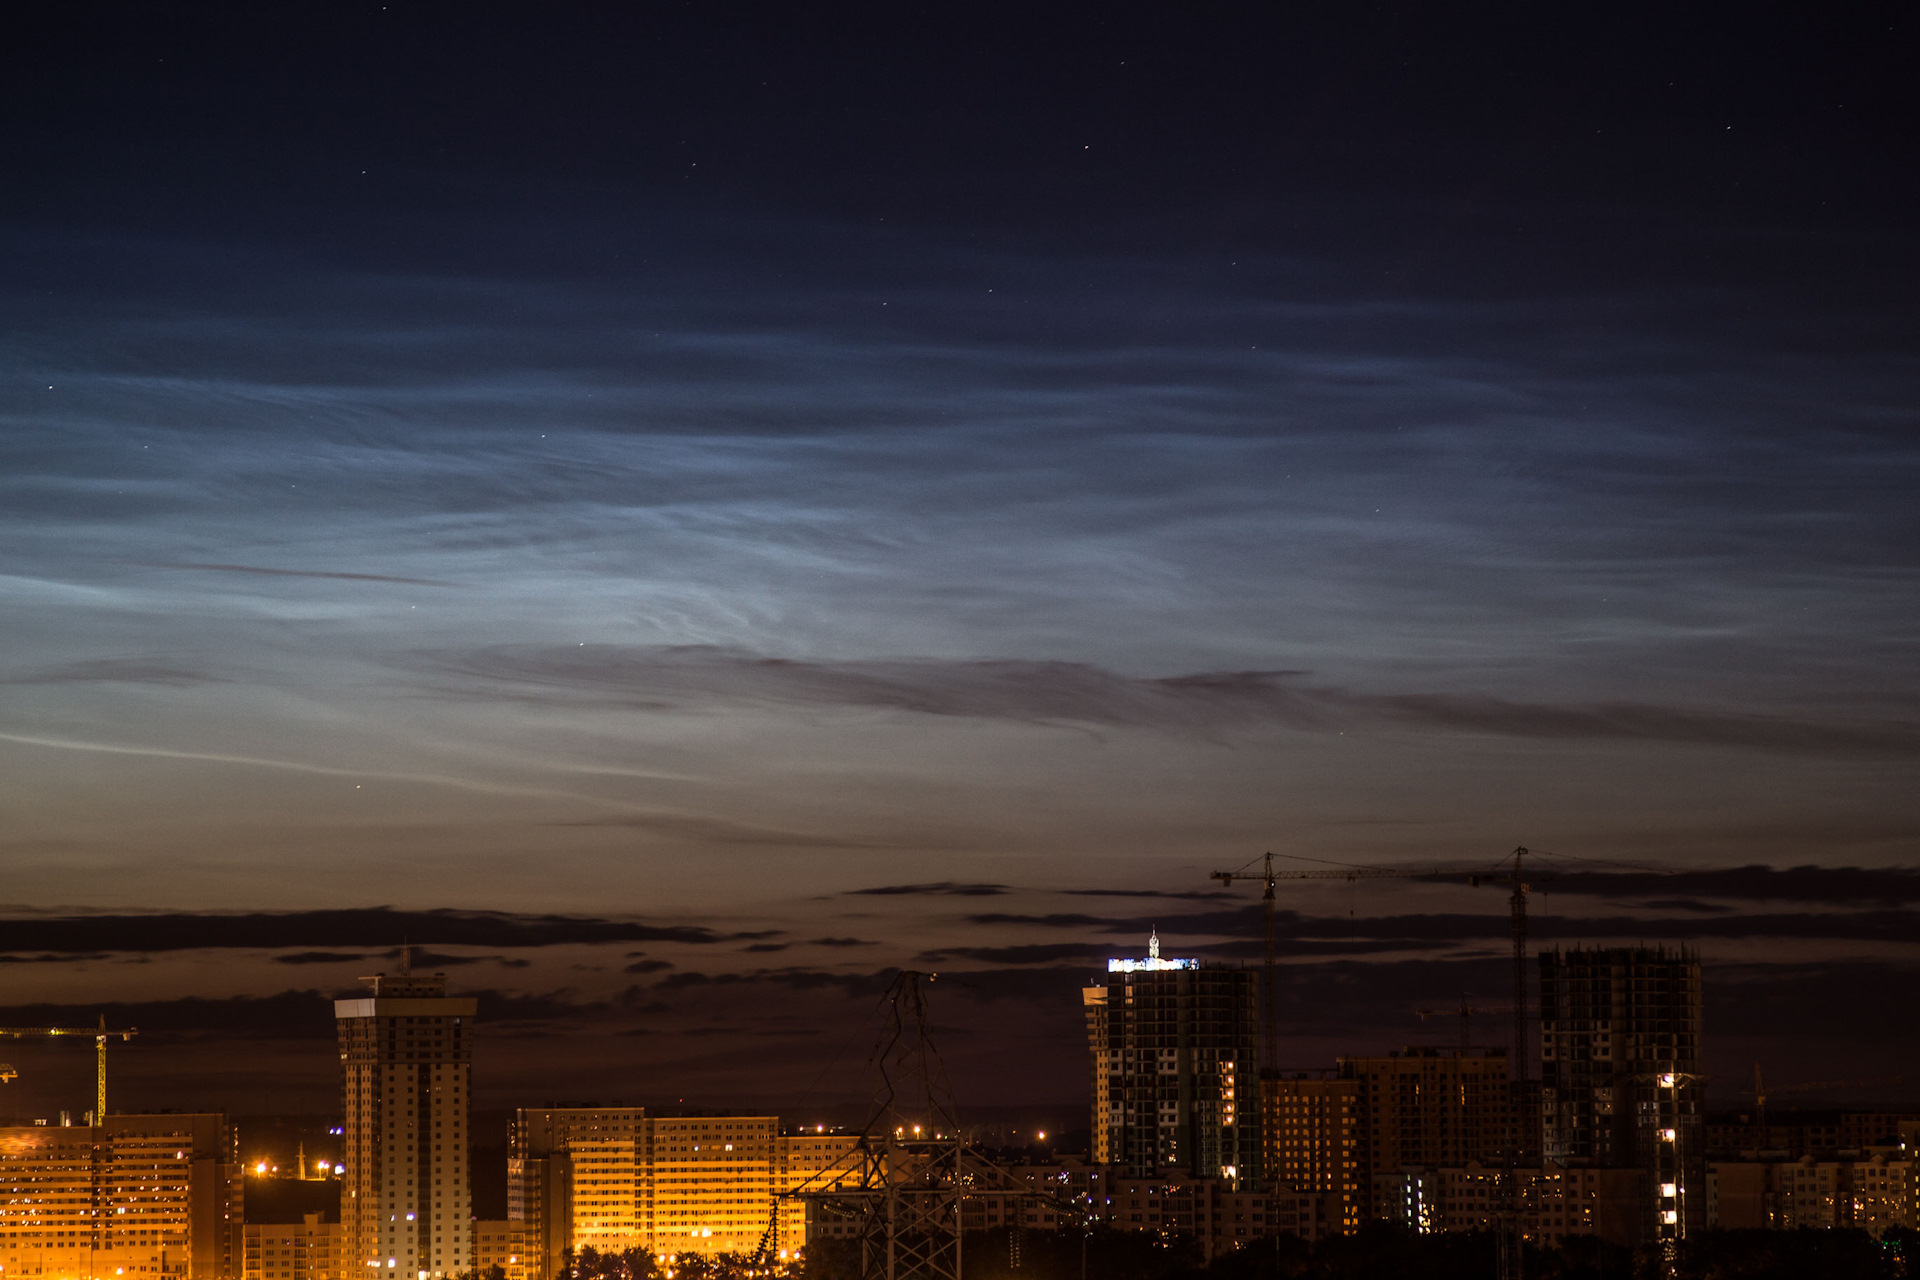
pixel 1176 1066
pixel 1620 1075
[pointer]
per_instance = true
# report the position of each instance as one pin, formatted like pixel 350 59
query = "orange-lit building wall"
pixel 141 1198
pixel 308 1250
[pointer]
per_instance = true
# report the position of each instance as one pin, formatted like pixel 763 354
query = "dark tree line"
pixel 1377 1252
pixel 590 1263
pixel 1385 1252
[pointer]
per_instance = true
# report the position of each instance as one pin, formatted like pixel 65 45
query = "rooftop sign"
pixel 1153 963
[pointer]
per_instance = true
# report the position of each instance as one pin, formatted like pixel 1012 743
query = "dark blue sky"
pixel 699 466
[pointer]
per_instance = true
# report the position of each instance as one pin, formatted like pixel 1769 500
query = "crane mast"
pixel 101 1034
pixel 1270 973
pixel 1513 876
pixel 1517 908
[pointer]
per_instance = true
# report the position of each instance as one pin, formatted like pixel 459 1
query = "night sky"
pixel 677 511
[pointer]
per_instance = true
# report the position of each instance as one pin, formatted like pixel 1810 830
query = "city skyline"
pixel 1190 1146
pixel 269 1048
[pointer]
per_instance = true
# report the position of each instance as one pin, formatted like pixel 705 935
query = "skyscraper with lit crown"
pixel 406 1055
pixel 1176 1062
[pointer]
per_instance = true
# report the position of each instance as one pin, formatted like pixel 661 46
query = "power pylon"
pixel 904 1177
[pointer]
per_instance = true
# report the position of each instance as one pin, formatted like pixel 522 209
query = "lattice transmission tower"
pixel 902 1181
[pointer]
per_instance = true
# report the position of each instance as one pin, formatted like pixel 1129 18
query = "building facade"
pixel 496 1244
pixel 541 1186
pixel 1553 1203
pixel 1873 1193
pixel 616 1178
pixel 1620 1045
pixel 142 1197
pixel 1802 1133
pixel 1313 1140
pixel 1439 1107
pixel 304 1250
pixel 406 1059
pixel 1175 1047
pixel 1072 1194
pixel 1215 1214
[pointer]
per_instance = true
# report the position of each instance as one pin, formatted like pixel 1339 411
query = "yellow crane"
pixel 101 1034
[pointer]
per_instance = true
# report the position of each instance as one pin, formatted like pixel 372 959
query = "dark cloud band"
pixel 1075 693
pixel 366 927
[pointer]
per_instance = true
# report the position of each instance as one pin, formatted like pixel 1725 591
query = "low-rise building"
pixel 304 1250
pixel 1215 1215
pixel 1872 1193
pixel 497 1244
pixel 1554 1203
pixel 1793 1134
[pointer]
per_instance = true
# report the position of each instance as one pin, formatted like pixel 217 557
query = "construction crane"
pixel 1466 1013
pixel 1270 971
pixel 1500 873
pixel 1760 1093
pixel 100 1035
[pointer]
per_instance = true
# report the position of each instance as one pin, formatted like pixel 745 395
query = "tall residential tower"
pixel 1620 1076
pixel 1176 1060
pixel 406 1055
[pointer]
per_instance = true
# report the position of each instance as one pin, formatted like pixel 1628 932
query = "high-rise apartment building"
pixel 1442 1108
pixel 541 1183
pixel 142 1197
pixel 1621 1088
pixel 816 1161
pixel 616 1178
pixel 1434 1108
pixel 1314 1140
pixel 1176 1053
pixel 406 1056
